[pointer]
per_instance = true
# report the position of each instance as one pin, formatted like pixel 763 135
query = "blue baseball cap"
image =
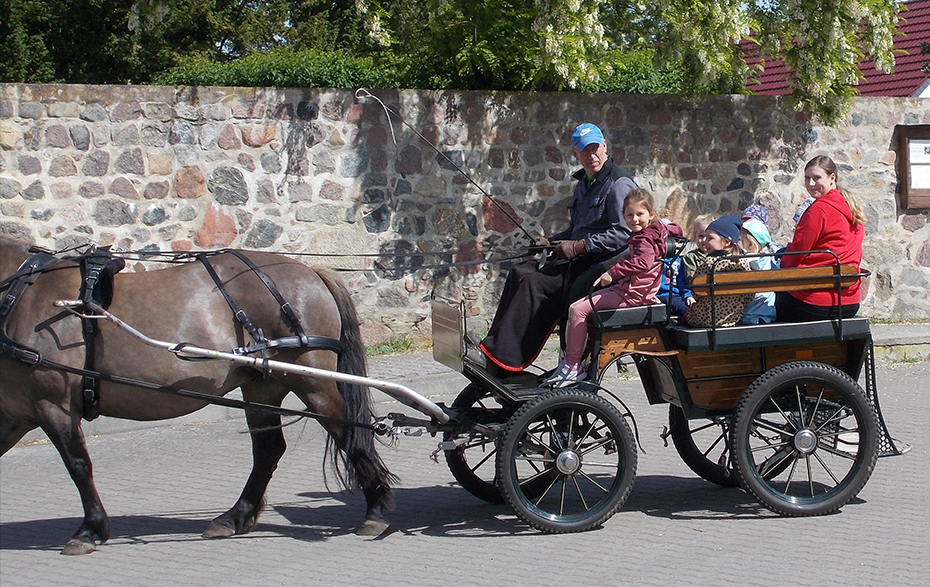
pixel 586 134
pixel 757 229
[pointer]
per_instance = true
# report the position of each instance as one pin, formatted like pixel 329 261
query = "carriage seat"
pixel 778 333
pixel 774 334
pixel 637 316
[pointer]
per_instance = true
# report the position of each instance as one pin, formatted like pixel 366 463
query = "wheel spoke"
pixel 768 466
pixel 535 477
pixel 601 443
pixel 797 390
pixel 817 405
pixel 782 412
pixel 810 474
pixel 710 424
pixel 714 444
pixel 838 453
pixel 766 425
pixel 562 498
pixel 586 435
pixel 554 431
pixel 769 446
pixel 593 481
pixel 538 441
pixel 584 503
pixel 827 469
pixel 546 491
pixel 531 459
pixel 832 418
pixel 794 466
pixel 484 460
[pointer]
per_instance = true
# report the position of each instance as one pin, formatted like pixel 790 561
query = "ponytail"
pixel 854 207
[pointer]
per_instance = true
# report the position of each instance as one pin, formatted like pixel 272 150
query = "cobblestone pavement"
pixel 161 486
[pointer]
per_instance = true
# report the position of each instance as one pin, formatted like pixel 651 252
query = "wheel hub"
pixel 805 441
pixel 568 462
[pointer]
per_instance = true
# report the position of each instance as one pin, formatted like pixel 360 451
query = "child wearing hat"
pixel 675 289
pixel 721 240
pixel 757 211
pixel 755 239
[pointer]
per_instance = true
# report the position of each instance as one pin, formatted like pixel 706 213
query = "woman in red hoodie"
pixel 834 222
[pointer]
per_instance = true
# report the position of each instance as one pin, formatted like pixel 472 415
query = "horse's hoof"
pixel 76 546
pixel 372 528
pixel 217 530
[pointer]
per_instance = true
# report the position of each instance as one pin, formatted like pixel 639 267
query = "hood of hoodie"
pixel 835 199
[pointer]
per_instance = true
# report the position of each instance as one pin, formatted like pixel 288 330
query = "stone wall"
pixel 160 169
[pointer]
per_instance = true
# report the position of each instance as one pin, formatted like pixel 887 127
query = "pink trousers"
pixel 576 329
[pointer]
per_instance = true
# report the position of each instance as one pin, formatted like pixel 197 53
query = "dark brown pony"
pixel 182 303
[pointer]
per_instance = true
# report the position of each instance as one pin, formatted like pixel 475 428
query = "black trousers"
pixel 532 304
pixel 790 309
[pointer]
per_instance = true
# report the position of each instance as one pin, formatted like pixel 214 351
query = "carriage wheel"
pixel 704 445
pixel 473 464
pixel 581 446
pixel 805 439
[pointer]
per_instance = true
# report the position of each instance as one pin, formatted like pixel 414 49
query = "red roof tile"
pixel 907 79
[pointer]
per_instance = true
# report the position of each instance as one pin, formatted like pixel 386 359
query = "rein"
pixel 378 427
pixel 364 93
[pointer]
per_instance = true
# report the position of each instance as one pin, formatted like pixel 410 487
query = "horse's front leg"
pixel 268 446
pixel 64 430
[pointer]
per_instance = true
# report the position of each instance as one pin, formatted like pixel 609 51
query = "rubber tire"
pixel 457 460
pixel 807 377
pixel 683 438
pixel 547 410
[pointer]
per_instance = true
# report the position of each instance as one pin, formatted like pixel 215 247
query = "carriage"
pixel 773 408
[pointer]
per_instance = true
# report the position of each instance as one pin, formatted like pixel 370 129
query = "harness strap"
pixel 262 344
pixel 238 312
pixel 286 309
pixel 17 283
pixel 94 265
pixel 378 427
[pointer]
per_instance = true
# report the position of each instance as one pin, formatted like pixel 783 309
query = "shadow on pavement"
pixel 440 510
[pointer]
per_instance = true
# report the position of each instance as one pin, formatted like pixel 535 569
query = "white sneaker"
pixel 555 375
pixel 566 377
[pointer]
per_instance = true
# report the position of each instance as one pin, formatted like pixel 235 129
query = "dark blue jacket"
pixel 597 211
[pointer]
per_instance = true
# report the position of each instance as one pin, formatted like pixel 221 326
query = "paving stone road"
pixel 161 486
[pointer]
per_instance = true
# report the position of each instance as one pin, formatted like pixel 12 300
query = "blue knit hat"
pixel 586 134
pixel 727 226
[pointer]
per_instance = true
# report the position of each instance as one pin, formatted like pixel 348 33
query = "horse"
pixel 182 302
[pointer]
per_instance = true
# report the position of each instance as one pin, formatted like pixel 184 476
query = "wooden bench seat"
pixel 775 334
pixel 778 333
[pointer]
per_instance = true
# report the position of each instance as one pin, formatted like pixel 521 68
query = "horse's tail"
pixel 358 465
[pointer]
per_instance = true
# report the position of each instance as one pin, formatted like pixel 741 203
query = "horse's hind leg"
pixel 64 430
pixel 268 446
pixel 364 467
